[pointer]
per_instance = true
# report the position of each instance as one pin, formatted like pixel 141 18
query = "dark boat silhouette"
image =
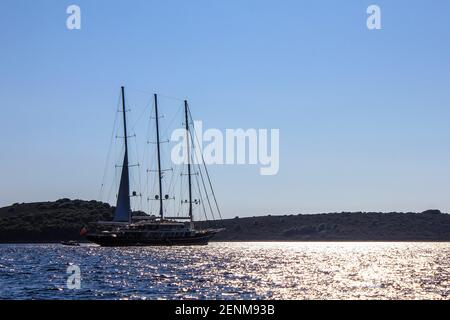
pixel 128 230
pixel 71 243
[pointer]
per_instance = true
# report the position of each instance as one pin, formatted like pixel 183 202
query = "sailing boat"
pixel 128 230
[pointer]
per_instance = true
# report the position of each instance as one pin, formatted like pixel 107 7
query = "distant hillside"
pixel 50 221
pixel 431 225
pixel 63 219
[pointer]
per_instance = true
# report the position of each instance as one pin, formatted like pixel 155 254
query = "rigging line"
pixel 184 188
pixel 147 162
pixel 170 97
pixel 171 122
pixel 141 115
pixel 169 186
pixel 206 191
pixel 180 183
pixel 181 193
pixel 201 174
pixel 173 191
pixel 203 181
pixel 177 175
pixel 204 186
pixel 108 155
pixel 138 156
pixel 149 132
pixel 164 152
pixel 140 91
pixel 153 190
pixel 146 194
pixel 201 197
pixel 206 169
pixel 145 167
pixel 159 94
pixel 139 173
pixel 174 179
pixel 111 189
pixel 114 184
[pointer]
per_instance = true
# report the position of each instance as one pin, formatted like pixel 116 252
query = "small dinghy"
pixel 70 243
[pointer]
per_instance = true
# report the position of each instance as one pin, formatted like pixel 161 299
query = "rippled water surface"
pixel 230 271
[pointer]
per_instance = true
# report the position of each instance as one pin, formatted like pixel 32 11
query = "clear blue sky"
pixel 364 116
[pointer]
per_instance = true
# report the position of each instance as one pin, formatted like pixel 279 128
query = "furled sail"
pixel 123 209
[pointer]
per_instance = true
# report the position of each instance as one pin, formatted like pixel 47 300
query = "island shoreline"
pixel 62 220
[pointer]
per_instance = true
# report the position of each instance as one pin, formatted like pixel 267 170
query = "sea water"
pixel 224 270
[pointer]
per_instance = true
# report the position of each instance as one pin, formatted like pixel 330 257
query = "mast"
pixel 124 123
pixel 188 157
pixel 161 213
pixel 123 208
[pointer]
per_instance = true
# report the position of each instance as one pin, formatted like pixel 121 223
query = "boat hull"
pixel 127 241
